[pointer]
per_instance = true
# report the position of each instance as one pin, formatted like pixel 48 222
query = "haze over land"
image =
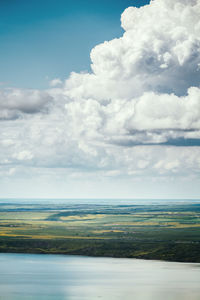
pixel 129 128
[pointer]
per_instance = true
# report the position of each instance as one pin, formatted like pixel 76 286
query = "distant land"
pixel 148 229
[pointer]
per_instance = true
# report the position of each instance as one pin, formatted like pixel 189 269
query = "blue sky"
pixel 42 40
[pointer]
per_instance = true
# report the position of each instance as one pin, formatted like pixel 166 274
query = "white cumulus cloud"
pixel 15 102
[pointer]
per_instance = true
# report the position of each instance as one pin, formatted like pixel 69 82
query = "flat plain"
pixel 167 232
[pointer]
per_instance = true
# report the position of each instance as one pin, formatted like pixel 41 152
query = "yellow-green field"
pixel 113 225
pixel 41 224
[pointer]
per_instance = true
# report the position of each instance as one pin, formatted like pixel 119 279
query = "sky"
pixel 97 100
pixel 42 40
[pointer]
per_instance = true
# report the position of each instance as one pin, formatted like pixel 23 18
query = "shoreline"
pixel 103 257
pixel 96 249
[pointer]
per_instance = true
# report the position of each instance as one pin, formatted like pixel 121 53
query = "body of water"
pixel 58 277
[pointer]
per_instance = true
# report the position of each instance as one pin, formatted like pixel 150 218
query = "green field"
pixel 167 232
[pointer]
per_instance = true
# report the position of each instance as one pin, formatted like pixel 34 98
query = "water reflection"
pixel 54 277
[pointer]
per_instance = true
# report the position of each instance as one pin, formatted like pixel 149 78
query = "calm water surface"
pixel 57 277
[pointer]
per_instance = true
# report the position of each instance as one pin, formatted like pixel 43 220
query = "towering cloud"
pixel 148 80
